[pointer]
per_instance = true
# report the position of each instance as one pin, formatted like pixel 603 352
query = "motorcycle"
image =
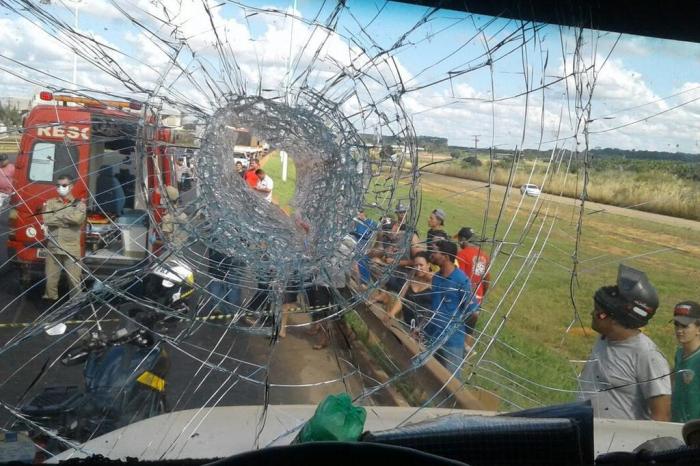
pixel 124 372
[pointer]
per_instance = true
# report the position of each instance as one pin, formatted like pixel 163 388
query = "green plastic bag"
pixel 335 419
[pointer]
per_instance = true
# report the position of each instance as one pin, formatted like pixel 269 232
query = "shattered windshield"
pixel 280 201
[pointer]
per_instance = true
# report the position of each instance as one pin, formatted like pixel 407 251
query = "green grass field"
pixel 650 189
pixel 533 361
pixel 283 190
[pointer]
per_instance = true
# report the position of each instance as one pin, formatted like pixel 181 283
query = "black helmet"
pixel 632 302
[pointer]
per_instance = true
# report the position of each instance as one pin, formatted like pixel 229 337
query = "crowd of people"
pixel 256 178
pixel 438 285
pixel 626 375
pixel 435 286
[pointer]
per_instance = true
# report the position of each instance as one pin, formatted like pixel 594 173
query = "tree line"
pixel 10 116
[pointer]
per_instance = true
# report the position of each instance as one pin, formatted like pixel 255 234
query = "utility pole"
pixel 76 5
pixel 476 143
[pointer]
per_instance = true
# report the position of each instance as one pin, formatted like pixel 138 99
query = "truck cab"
pixel 119 166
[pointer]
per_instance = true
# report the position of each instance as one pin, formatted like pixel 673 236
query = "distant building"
pixel 20 103
pixel 171 118
pixel 245 137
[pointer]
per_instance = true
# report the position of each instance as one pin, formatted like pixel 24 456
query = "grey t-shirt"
pixel 620 376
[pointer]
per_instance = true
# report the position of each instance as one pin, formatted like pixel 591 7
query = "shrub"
pixel 472 161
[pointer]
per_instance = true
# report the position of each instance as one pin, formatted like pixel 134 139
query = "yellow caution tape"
pixel 293 310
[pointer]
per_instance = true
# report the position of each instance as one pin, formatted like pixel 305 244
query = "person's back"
pixel 106 192
pixel 128 184
pixel 364 228
pixel 474 262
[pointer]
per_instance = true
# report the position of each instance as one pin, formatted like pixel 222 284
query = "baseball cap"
pixel 440 214
pixel 686 312
pixel 464 233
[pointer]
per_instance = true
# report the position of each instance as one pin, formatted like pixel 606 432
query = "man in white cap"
pixel 436 225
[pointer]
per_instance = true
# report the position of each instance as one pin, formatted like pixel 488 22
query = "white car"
pixel 241 158
pixel 530 190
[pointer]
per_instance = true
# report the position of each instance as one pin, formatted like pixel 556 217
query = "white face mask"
pixel 63 191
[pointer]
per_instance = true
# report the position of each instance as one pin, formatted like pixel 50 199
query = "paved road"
pixel 190 383
pixel 461 185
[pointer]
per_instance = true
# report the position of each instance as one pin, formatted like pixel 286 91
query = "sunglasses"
pixel 62 185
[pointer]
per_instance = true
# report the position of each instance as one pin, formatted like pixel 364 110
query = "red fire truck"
pixel 119 164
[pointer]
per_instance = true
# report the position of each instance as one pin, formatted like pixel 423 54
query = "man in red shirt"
pixel 474 262
pixel 250 177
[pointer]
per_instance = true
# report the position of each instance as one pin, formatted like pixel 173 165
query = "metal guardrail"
pixel 431 380
pixel 8 147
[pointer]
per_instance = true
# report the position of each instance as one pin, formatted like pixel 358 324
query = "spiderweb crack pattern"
pixel 333 90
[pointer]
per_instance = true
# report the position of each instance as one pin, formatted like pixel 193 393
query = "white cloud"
pixel 257 51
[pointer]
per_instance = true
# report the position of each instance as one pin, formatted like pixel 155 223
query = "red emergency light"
pixel 45 95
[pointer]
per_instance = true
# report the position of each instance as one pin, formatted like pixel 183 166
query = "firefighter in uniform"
pixel 64 217
pixel 172 223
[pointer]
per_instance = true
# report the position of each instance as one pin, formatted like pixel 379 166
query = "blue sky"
pixel 439 101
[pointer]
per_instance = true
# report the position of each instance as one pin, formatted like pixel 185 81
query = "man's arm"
pixel 51 218
pixel 265 187
pixel 486 281
pixel 416 245
pixel 396 307
pixel 74 215
pixel 660 408
pixel 653 374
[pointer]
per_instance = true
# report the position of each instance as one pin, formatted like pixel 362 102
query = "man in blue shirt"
pixel 365 229
pixel 452 302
